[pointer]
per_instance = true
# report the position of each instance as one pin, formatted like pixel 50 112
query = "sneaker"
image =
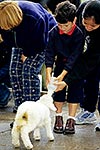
pixel 58 127
pixel 70 127
pixel 97 127
pixel 80 113
pixel 85 117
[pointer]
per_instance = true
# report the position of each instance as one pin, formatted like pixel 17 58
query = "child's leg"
pixel 75 94
pixel 59 99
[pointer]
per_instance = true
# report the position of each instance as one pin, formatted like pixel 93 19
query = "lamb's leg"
pixel 15 136
pixel 25 137
pixel 37 134
pixel 49 129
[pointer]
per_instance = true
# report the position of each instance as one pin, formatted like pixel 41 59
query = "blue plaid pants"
pixel 24 76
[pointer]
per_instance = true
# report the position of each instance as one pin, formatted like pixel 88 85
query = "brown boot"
pixel 70 126
pixel 58 127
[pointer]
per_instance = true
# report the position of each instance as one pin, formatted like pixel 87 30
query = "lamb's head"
pixel 47 100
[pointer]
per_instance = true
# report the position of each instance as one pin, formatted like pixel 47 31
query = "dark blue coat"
pixel 67 48
pixel 33 32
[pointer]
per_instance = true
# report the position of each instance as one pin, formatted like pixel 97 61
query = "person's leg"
pixel 30 80
pixel 97 127
pixel 59 106
pixel 99 103
pixel 4 73
pixel 59 99
pixel 72 109
pixel 75 95
pixel 25 83
pixel 91 87
pixel 4 90
pixel 4 95
pixel 70 123
pixel 16 76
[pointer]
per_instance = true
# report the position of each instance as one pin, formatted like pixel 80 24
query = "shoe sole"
pixel 58 132
pixel 97 129
pixel 85 123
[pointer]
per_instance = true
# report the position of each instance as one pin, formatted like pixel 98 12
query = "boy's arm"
pixel 48 75
pixel 84 65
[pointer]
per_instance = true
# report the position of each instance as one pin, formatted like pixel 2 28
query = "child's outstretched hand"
pixel 60 85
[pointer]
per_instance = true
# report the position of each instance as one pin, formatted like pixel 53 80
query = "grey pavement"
pixel 85 137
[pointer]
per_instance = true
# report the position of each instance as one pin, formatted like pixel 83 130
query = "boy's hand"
pixel 60 85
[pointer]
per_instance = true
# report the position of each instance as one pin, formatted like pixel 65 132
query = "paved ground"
pixel 85 137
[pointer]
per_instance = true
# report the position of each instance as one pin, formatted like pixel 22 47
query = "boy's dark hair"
pixel 92 9
pixel 64 12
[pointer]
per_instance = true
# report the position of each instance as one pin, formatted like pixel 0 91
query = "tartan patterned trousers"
pixel 24 76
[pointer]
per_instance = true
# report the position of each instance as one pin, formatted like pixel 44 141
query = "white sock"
pixel 58 114
pixel 70 117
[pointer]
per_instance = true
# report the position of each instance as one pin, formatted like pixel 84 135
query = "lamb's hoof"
pixel 17 145
pixel 37 138
pixel 51 139
pixel 29 147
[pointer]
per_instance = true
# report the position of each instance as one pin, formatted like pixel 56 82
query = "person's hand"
pixel 48 75
pixel 60 85
pixel 59 78
pixel 23 58
pixel 48 79
pixel 62 75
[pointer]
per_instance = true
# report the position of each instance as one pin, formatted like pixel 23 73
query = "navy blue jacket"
pixel 33 32
pixel 67 48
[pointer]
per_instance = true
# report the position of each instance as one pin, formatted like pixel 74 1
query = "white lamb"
pixel 30 117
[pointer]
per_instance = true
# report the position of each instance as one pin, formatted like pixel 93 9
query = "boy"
pixel 66 44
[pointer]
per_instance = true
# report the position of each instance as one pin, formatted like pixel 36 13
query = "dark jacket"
pixel 5 54
pixel 89 59
pixel 33 32
pixel 67 48
pixel 5 58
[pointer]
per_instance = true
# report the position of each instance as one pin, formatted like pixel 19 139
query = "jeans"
pixel 4 81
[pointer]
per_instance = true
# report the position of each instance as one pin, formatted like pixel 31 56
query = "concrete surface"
pixel 85 137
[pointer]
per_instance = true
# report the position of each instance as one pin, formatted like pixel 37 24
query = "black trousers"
pixel 91 91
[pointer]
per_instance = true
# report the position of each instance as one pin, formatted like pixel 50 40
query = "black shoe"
pixel 58 127
pixel 11 125
pixel 97 127
pixel 15 109
pixel 70 127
